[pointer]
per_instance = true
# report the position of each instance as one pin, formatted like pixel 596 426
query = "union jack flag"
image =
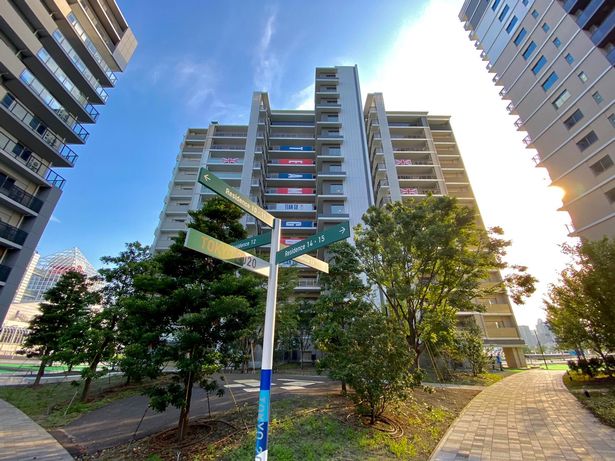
pixel 409 191
pixel 403 161
pixel 230 159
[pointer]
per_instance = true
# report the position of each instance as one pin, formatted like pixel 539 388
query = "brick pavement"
pixel 527 416
pixel 22 439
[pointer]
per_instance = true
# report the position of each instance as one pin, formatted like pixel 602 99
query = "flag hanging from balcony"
pixel 409 191
pixel 230 159
pixel 403 161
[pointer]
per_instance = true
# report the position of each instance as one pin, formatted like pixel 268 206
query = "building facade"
pixel 315 169
pixel 57 59
pixel 554 61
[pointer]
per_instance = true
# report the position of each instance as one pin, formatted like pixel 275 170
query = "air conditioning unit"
pixel 34 164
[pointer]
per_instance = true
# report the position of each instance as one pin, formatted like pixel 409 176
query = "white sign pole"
pixel 264 399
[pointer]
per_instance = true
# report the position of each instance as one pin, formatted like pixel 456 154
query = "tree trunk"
pixel 184 413
pixel 88 380
pixel 344 390
pixel 41 369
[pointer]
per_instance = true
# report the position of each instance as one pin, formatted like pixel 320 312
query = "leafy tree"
pixel 189 312
pixel 294 326
pixel 581 308
pixel 471 348
pixel 66 305
pixel 430 259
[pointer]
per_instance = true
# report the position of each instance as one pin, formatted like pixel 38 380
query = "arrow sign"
pixel 322 239
pixel 253 242
pixel 210 246
pixel 211 181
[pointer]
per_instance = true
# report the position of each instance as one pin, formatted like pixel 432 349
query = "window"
pixel 597 97
pixel 569 59
pixel 539 65
pixel 336 189
pixel 332 150
pixel 522 33
pixel 545 27
pixel 335 168
pixel 611 119
pixel 573 119
pixel 529 50
pixel 337 208
pixel 495 4
pixel 557 42
pixel 511 24
pixel 534 14
pixel 548 83
pixel 524 2
pixel 503 13
pixel 583 76
pixel 587 141
pixel 601 165
pixel 610 195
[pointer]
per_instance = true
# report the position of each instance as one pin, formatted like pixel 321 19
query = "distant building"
pixel 545 335
pixel 40 277
pixel 528 336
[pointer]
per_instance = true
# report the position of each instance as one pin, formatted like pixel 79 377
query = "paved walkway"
pixel 23 439
pixel 527 416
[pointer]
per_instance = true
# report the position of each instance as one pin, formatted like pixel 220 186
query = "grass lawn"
pixel 321 427
pixel 602 394
pixel 48 404
pixel 33 367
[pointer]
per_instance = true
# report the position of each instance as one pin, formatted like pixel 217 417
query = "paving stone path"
pixel 527 416
pixel 22 439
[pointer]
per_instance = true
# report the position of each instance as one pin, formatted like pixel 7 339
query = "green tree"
pixel 430 259
pixel 62 316
pixel 581 307
pixel 470 346
pixel 189 312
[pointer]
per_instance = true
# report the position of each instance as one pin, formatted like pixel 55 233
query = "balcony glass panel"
pixel 17 194
pixel 48 136
pixel 12 233
pixel 91 47
pixel 4 272
pixel 51 102
pixel 79 64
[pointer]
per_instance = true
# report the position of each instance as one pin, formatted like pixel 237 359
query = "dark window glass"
pixel 569 59
pixel 557 42
pixel 522 33
pixel 511 24
pixel 610 195
pixel 534 14
pixel 503 13
pixel 573 119
pixel 601 165
pixel 548 83
pixel 587 141
pixel 545 27
pixel 539 65
pixel 495 4
pixel 529 50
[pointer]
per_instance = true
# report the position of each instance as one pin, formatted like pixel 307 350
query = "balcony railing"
pixel 12 233
pixel 227 147
pixel 310 283
pixel 25 156
pixel 91 48
pixel 495 78
pixel 292 123
pixel 418 191
pixel 79 64
pixel 4 272
pixel 49 137
pixel 402 177
pixel 51 102
pixel 503 92
pixel 9 189
pixel 518 123
pixel 527 140
pixel 222 134
pixel 291 135
pixel 537 159
pixel 67 83
pixel 510 107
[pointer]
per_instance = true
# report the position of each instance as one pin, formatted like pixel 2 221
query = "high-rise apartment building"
pixel 57 59
pixel 316 168
pixel 554 60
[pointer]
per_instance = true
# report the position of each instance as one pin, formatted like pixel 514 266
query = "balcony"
pixel 12 234
pixel 606 30
pixel 518 123
pixel 413 191
pixel 507 332
pixel 52 103
pixel 40 131
pixel 503 92
pixel 510 108
pixel 527 141
pixel 4 273
pixel 537 159
pixel 17 194
pixel 309 284
pixel 227 147
pixel 306 191
pixel 496 78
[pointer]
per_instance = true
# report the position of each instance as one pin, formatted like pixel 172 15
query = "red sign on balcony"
pixel 294 161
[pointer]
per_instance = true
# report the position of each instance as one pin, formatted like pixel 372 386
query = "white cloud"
pixel 433 66
pixel 303 99
pixel 54 218
pixel 267 64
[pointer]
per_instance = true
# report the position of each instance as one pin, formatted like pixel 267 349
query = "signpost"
pixel 322 239
pixel 234 254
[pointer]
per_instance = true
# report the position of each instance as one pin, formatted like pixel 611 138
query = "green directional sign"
pixel 253 242
pixel 322 239
pixel 211 181
pixel 210 246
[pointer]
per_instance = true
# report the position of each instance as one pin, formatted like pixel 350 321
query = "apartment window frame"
pixel 601 165
pixel 511 25
pixel 535 13
pixel 611 119
pixel 520 36
pixel 525 2
pixel 586 141
pixel 529 49
pixel 335 188
pixel 569 58
pixel 548 83
pixel 610 195
pixel 597 97
pixel 539 64
pixel 545 27
pixel 337 208
pixel 495 4
pixel 573 119
pixel 504 12
pixel 557 42
pixel 582 76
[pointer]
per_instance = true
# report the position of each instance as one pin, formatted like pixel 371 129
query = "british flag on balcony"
pixel 409 191
pixel 230 159
pixel 403 161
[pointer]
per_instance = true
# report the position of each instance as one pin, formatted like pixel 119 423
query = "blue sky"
pixel 200 61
